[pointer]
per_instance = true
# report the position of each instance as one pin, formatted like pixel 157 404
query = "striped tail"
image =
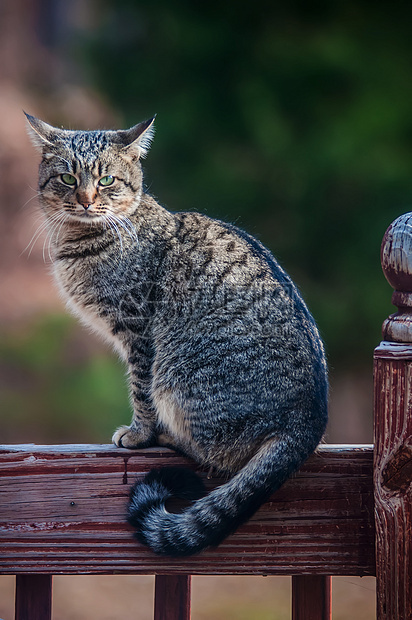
pixel 213 517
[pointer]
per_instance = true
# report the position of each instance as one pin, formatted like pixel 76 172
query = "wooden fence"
pixel 347 512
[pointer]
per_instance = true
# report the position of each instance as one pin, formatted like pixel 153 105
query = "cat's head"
pixel 90 176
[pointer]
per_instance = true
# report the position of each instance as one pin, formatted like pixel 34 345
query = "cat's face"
pixel 90 176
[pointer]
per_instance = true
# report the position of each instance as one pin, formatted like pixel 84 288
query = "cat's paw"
pixel 128 437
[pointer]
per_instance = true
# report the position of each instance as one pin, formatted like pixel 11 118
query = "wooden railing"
pixel 63 512
pixel 347 511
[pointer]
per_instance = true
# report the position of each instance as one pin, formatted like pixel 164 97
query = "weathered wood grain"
pixel 33 597
pixel 311 597
pixel 393 484
pixel 62 511
pixel 393 431
pixel 172 597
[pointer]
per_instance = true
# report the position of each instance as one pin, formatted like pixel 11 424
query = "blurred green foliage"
pixel 55 388
pixel 291 119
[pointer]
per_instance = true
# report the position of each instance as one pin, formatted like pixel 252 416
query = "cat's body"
pixel 225 361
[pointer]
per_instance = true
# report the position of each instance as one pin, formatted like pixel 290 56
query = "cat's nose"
pixel 85 199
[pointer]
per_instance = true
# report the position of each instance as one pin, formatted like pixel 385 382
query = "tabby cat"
pixel 225 361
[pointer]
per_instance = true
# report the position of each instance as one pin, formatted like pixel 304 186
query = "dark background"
pixel 292 120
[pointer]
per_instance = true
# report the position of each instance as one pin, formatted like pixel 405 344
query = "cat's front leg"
pixel 142 431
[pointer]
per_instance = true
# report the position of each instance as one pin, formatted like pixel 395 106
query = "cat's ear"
pixel 138 139
pixel 42 134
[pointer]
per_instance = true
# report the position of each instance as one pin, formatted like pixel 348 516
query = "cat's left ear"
pixel 42 134
pixel 137 139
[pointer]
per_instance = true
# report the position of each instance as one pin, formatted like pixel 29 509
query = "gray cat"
pixel 225 361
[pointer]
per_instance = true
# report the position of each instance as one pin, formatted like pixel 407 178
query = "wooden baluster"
pixel 172 597
pixel 393 432
pixel 311 597
pixel 33 597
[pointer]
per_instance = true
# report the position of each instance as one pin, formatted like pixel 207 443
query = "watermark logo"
pixel 239 307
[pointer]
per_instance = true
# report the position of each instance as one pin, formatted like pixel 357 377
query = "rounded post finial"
pixel 396 260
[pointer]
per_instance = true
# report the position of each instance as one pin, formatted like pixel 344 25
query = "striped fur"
pixel 224 360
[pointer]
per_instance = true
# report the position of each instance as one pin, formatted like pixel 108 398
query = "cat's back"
pixel 231 318
pixel 218 253
pixel 220 285
pixel 217 262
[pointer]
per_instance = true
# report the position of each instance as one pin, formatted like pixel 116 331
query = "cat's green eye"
pixel 105 181
pixel 68 179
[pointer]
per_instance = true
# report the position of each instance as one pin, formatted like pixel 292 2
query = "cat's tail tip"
pixel 148 498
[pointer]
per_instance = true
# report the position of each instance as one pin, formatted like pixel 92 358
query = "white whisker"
pixel 57 224
pixel 38 232
pixel 127 226
pixel 36 195
pixel 56 232
pixel 113 226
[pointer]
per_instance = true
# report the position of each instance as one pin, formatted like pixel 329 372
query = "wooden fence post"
pixel 393 432
pixel 311 597
pixel 172 597
pixel 33 597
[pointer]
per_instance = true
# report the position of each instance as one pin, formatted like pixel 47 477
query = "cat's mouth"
pixel 86 215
